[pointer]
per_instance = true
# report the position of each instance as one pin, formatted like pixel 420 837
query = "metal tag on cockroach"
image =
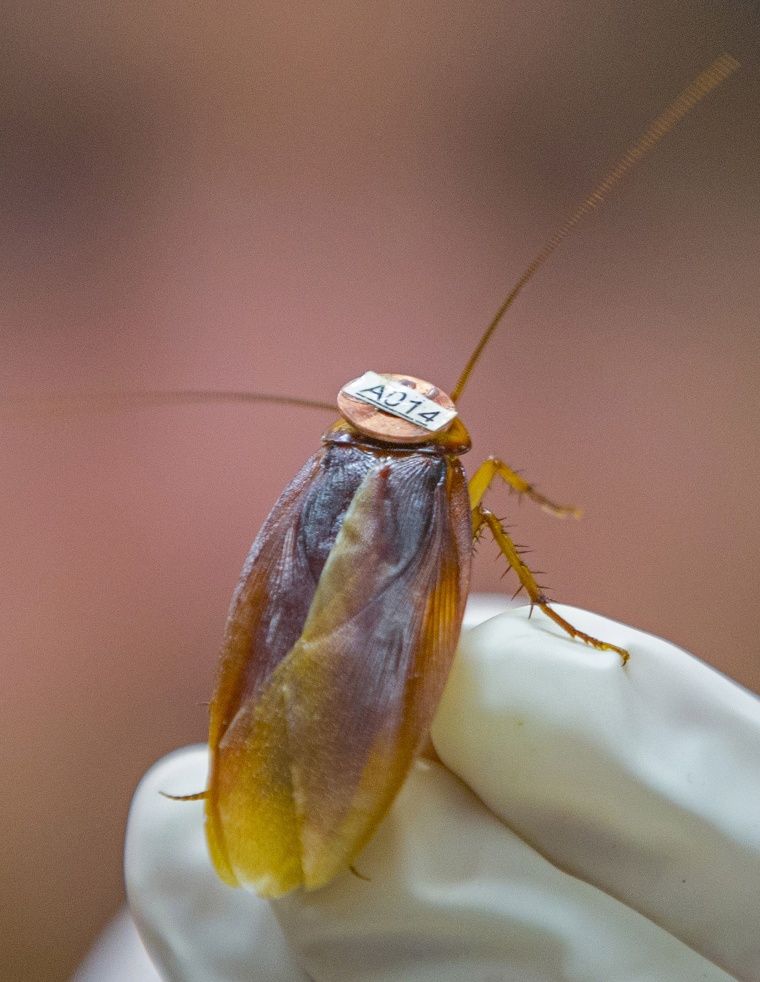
pixel 400 400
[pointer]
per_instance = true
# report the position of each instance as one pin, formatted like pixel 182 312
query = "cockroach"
pixel 344 623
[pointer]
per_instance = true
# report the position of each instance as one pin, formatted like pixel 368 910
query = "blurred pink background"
pixel 277 197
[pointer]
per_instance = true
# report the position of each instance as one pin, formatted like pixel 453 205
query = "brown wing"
pixel 307 771
pixel 275 591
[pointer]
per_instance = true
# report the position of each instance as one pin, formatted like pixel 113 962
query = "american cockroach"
pixel 344 624
pixel 346 617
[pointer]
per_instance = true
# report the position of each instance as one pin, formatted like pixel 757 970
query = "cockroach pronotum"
pixel 344 624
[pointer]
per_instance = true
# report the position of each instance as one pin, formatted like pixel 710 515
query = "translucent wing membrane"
pixel 305 772
pixel 272 599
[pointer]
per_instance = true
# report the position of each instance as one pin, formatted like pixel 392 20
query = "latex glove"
pixel 643 782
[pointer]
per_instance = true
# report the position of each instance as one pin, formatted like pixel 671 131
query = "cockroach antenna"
pixel 108 401
pixel 720 70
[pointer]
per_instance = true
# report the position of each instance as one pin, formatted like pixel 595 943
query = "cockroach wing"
pixel 276 573
pixel 272 600
pixel 305 774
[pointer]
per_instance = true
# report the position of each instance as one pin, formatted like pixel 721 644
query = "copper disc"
pixel 380 425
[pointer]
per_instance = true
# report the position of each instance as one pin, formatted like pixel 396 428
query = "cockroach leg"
pixel 358 875
pixel 482 516
pixel 492 468
pixel 198 796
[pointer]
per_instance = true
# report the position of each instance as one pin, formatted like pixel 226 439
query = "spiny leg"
pixel 492 468
pixel 480 517
pixel 198 796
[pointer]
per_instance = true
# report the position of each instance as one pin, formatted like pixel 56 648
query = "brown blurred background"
pixel 277 196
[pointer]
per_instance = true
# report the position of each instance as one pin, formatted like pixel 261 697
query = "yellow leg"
pixel 480 517
pixel 492 468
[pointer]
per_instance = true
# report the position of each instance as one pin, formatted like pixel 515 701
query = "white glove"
pixel 642 782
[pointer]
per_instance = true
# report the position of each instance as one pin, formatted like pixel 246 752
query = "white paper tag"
pixel 399 400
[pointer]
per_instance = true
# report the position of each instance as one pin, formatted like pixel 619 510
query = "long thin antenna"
pixel 699 88
pixel 130 400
